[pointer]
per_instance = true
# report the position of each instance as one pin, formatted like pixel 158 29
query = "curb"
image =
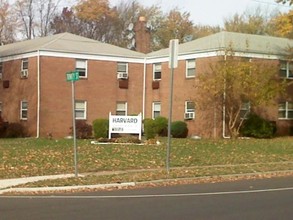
pixel 132 184
pixel 6 183
pixel 66 188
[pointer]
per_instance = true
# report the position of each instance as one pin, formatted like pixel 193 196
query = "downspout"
pixel 144 89
pixel 224 107
pixel 38 95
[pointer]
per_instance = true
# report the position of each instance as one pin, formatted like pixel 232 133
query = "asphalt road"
pixel 249 199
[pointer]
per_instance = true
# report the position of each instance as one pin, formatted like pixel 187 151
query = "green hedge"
pixel 257 127
pixel 149 128
pixel 179 129
pixel 101 128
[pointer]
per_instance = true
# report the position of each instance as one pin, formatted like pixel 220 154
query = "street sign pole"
pixel 173 63
pixel 74 128
pixel 72 77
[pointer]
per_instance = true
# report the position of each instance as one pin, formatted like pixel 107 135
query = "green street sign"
pixel 72 76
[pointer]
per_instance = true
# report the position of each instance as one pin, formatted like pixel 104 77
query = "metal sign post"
pixel 173 63
pixel 72 77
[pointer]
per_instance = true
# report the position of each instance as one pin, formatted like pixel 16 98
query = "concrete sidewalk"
pixel 6 185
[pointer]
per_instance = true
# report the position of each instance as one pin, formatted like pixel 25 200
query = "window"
pixel 156 109
pixel 189 110
pixel 122 70
pixel 121 108
pixel 1 70
pixel 244 110
pixel 157 75
pixel 81 67
pixel 122 67
pixel 190 68
pixel 80 109
pixel 24 64
pixel 24 68
pixel 286 69
pixel 286 110
pixel 23 110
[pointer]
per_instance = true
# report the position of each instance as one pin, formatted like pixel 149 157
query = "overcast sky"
pixel 208 12
pixel 212 12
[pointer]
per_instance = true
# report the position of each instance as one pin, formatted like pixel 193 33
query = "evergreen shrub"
pixel 149 128
pixel 179 129
pixel 161 126
pixel 257 127
pixel 101 128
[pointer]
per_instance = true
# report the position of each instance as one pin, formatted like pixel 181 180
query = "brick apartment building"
pixel 35 92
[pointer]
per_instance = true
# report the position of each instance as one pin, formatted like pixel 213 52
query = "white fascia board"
pixel 19 56
pixel 74 56
pixel 92 57
pixel 257 55
pixel 184 57
pixel 157 60
pixel 199 55
pixel 147 60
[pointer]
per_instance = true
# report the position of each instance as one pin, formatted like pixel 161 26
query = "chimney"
pixel 142 36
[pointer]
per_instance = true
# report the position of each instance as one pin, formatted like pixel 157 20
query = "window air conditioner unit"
pixel 189 115
pixel 24 73
pixel 122 75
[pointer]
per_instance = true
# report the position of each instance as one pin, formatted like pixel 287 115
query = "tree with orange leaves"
pixel 97 19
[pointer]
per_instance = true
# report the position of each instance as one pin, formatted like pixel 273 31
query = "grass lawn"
pixel 189 158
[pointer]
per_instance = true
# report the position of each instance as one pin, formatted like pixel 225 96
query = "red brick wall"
pixel 100 89
pixel 183 90
pixel 19 89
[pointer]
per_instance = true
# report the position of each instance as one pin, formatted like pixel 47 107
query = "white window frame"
pixel 24 68
pixel 122 67
pixel 284 108
pixel 122 70
pixel 244 110
pixel 287 68
pixel 121 107
pixel 24 64
pixel 1 70
pixel 156 109
pixel 81 64
pixel 157 69
pixel 82 109
pixel 190 66
pixel 23 110
pixel 189 110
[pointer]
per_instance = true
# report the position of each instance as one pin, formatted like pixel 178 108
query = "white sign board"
pixel 122 124
pixel 173 53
